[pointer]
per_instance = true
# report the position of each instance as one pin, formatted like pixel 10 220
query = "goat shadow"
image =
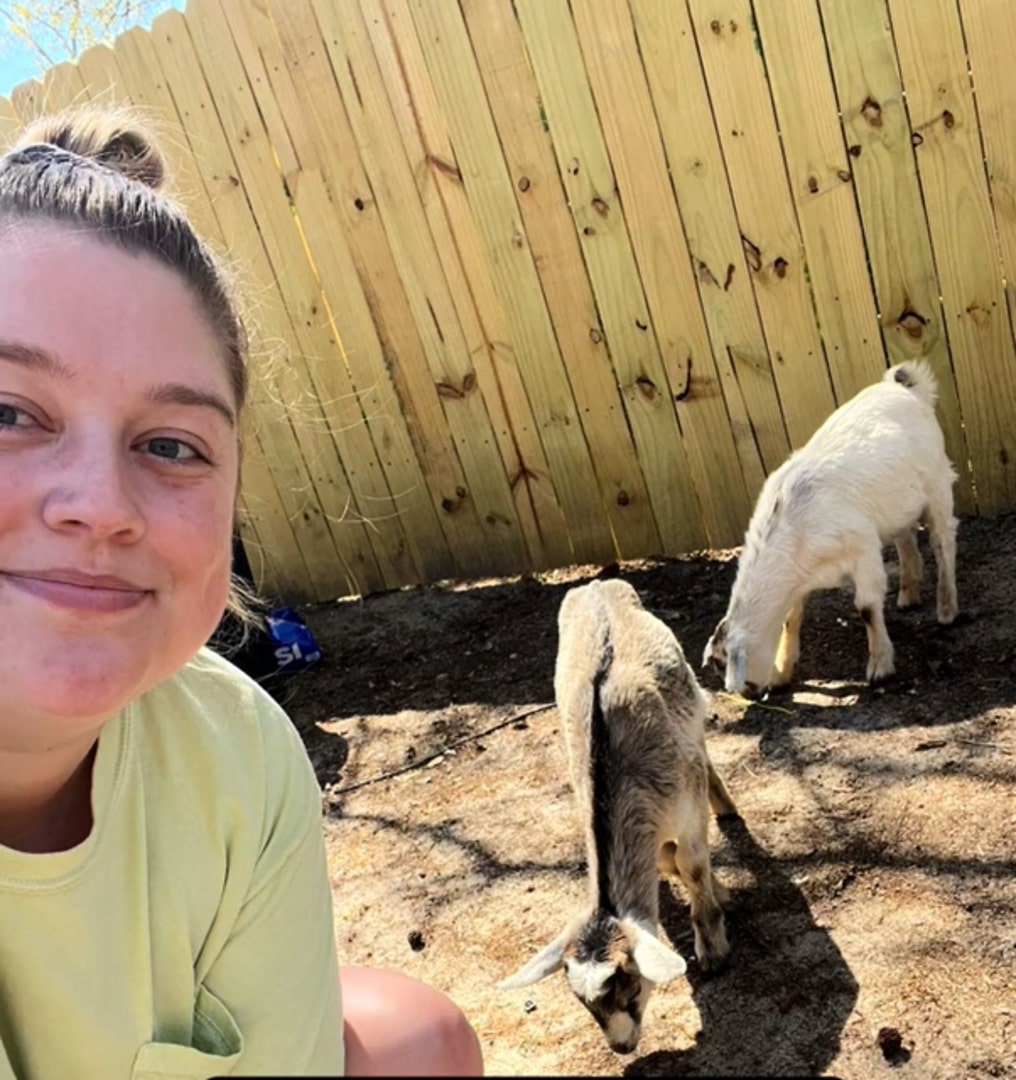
pixel 779 1007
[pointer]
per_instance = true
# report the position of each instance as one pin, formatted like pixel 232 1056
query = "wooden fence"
pixel 556 281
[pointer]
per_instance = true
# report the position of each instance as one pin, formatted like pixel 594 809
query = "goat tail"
pixel 915 375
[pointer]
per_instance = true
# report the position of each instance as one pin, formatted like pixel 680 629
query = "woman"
pixel 164 901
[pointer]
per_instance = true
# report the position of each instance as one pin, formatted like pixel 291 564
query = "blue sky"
pixel 17 67
pixel 18 63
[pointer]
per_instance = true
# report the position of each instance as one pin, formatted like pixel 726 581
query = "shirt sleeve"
pixel 277 973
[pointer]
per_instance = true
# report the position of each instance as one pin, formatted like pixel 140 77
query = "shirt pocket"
pixel 218 1044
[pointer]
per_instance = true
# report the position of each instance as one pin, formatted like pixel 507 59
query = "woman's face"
pixel 118 472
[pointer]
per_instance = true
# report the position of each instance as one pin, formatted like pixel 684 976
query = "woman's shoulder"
pixel 218 721
pixel 228 792
pixel 217 694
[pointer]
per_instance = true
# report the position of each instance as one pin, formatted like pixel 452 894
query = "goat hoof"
pixel 712 951
pixel 880 671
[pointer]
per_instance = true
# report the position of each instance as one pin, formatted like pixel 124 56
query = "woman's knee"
pixel 456 1042
pixel 397 1024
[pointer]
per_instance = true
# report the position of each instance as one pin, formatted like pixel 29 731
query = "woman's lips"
pixel 78 592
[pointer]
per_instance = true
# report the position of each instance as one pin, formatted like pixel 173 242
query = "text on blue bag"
pixel 292 641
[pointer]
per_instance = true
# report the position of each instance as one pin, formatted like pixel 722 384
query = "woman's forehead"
pixel 89 303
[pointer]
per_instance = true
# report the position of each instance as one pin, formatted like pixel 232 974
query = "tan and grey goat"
pixel 632 714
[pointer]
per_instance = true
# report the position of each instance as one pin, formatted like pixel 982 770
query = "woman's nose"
pixel 92 492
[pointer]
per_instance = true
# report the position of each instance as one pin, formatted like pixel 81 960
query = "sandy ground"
pixel 873 875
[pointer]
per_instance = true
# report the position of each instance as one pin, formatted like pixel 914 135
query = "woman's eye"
pixel 10 416
pixel 172 449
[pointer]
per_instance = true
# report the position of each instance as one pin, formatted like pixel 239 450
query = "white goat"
pixel 863 479
pixel 632 714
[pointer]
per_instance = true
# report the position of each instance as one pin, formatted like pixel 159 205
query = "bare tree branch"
pixel 57 30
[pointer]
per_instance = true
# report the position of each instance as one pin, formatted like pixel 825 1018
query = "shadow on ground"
pixel 779 1007
pixel 494 644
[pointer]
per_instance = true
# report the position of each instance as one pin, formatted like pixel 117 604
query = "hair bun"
pixel 111 137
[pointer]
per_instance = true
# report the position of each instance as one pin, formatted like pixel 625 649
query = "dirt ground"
pixel 873 876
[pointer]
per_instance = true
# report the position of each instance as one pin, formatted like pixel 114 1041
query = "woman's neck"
pixel 46 796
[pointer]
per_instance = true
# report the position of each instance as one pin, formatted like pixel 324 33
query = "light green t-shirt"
pixel 191 934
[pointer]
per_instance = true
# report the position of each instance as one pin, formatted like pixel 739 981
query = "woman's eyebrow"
pixel 181 394
pixel 36 359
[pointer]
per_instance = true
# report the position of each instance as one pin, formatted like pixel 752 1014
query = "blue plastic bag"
pixel 292 642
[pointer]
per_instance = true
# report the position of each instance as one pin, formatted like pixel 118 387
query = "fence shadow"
pixel 780 1006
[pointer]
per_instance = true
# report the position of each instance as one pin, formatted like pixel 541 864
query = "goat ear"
pixel 737 671
pixel 544 963
pixel 716 646
pixel 656 961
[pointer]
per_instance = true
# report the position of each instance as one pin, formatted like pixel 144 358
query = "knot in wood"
pixel 912 323
pixel 751 253
pixel 647 387
pixel 705 275
pixel 872 111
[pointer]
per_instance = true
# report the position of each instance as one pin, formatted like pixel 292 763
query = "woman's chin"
pixel 78 701
pixel 81 685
